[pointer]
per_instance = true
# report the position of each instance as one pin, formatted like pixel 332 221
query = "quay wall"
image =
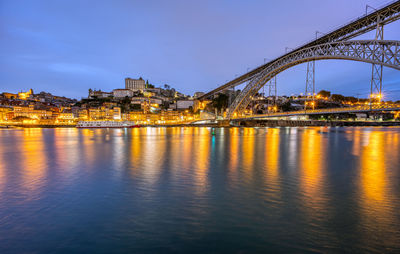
pixel 298 123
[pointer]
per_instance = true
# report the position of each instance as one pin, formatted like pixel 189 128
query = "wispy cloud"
pixel 75 68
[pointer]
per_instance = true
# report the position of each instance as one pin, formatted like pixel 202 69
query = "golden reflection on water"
pixel 33 160
pixel 272 142
pixel 373 168
pixel 202 159
pixel 248 151
pixel 272 152
pixel 67 150
pixel 175 149
pixel 233 150
pixel 191 150
pixel 88 147
pixel 154 147
pixel 187 148
pixel 356 136
pixel 135 153
pixel 3 166
pixel 377 196
pixel 312 164
pixel 292 146
pixel 118 149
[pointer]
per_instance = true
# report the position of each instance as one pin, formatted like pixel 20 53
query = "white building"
pixel 184 104
pixel 156 101
pixel 139 100
pixel 117 113
pixel 99 94
pixel 135 84
pixel 122 93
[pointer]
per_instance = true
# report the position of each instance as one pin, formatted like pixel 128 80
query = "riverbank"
pixel 247 123
pixel 299 123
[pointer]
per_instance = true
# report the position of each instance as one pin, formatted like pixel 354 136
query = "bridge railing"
pixel 361 108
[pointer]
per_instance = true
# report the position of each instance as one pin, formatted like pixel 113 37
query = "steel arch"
pixel 383 52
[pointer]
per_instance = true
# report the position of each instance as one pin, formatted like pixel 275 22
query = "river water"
pixel 198 190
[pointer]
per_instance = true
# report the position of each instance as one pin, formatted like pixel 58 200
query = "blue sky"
pixel 67 47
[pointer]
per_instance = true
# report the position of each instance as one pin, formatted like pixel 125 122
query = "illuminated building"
pixel 117 113
pixel 31 112
pixel 96 114
pixel 99 94
pixel 137 116
pixel 138 100
pixel 66 116
pixel 83 114
pixel 24 96
pixel 200 105
pixel 104 113
pixel 10 95
pixel 162 117
pixel 184 104
pixel 5 113
pixel 135 84
pixel 122 93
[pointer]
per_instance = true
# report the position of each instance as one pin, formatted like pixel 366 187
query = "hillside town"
pixel 139 101
pixel 145 104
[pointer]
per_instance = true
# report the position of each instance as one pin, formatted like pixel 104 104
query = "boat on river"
pixel 107 124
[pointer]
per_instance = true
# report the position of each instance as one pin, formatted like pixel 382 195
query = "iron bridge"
pixel 333 45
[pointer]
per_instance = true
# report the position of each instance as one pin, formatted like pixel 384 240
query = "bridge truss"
pixel 385 53
pixel 364 24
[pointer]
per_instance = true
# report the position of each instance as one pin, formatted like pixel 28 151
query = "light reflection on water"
pixel 186 190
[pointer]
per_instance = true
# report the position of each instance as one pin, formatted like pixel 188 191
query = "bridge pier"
pixel 310 83
pixel 377 69
pixel 272 91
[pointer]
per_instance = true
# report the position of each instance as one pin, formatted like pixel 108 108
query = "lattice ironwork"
pixel 366 23
pixel 310 81
pixel 388 54
pixel 377 69
pixel 272 91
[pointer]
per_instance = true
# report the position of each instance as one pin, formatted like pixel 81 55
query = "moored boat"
pixel 106 124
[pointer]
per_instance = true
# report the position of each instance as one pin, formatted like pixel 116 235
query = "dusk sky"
pixel 67 47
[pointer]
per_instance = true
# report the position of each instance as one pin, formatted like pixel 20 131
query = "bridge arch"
pixel 386 53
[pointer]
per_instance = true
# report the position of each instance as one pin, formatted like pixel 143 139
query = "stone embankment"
pixel 297 123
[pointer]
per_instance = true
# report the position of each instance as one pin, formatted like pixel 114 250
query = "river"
pixel 200 190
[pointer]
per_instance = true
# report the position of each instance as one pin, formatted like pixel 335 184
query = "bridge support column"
pixel 272 91
pixel 377 69
pixel 310 83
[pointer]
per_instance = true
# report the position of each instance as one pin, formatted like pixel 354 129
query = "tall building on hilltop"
pixel 24 96
pixel 135 84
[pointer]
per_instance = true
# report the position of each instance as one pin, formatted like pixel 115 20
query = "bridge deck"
pixel 358 109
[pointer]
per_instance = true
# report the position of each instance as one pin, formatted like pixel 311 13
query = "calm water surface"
pixel 184 190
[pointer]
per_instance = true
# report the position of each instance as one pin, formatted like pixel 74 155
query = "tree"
pixel 220 102
pixel 287 106
pixel 338 97
pixel 351 99
pixel 136 106
pixel 325 93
